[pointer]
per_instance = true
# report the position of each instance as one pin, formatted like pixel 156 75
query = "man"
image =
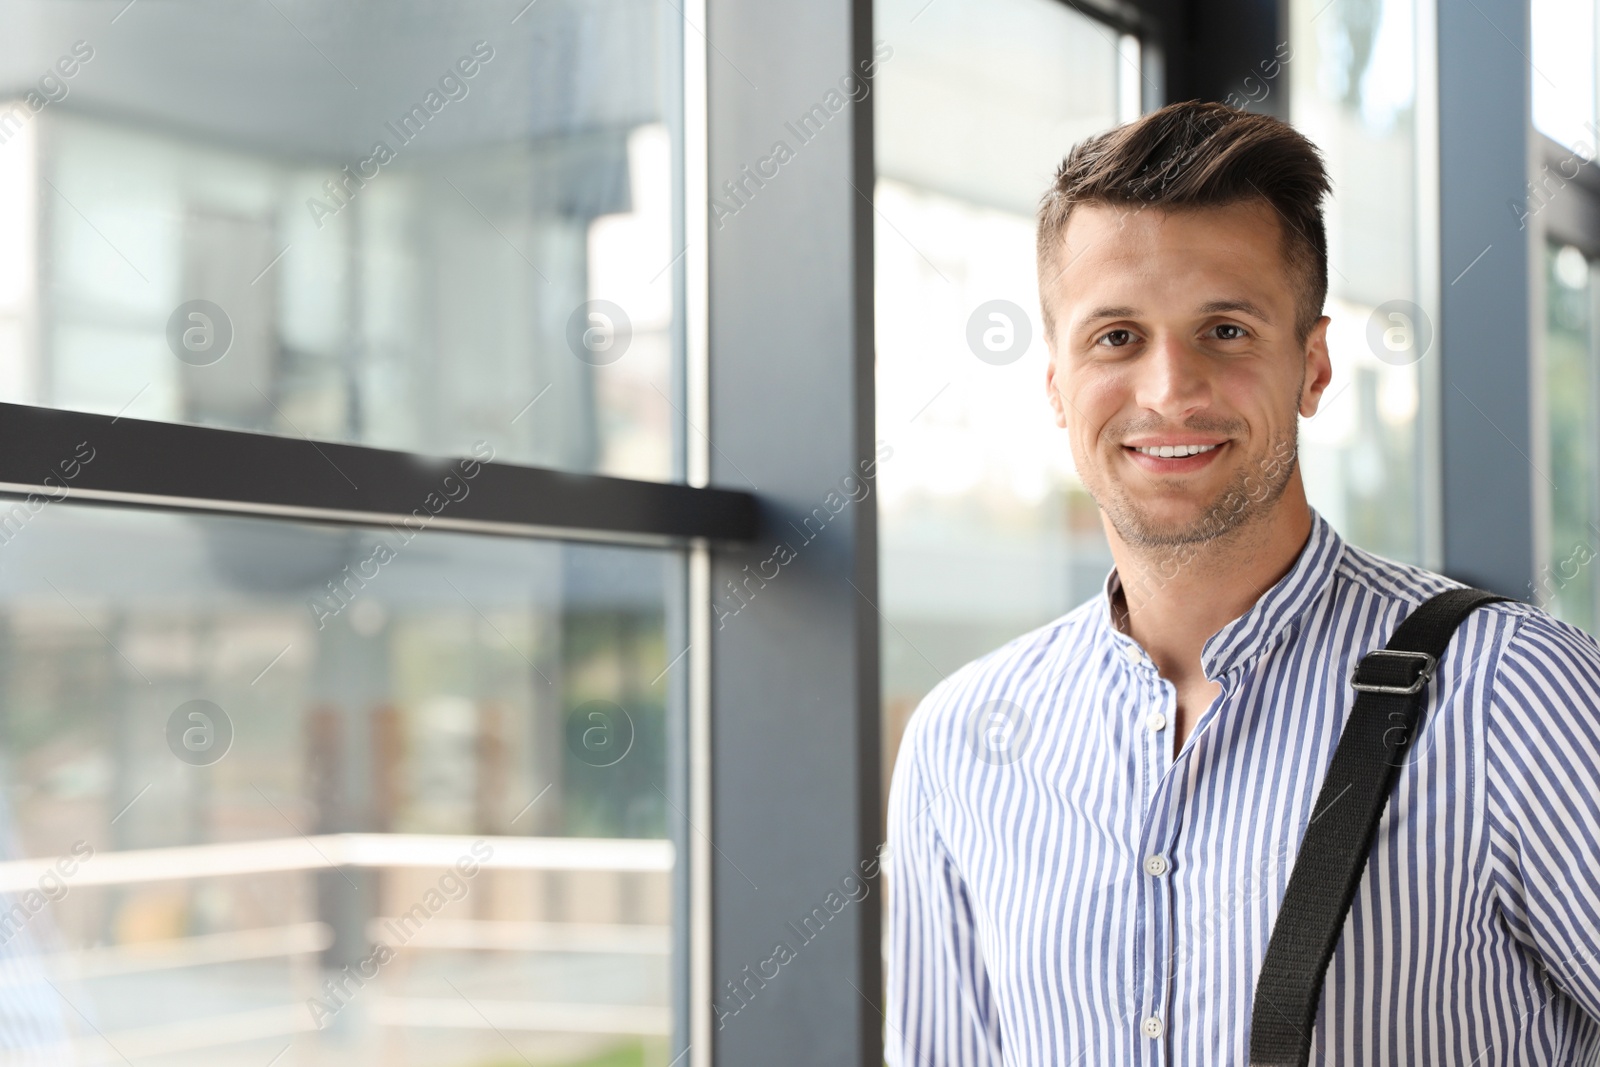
pixel 1092 827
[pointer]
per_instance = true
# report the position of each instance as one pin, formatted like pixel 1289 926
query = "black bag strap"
pixel 1391 686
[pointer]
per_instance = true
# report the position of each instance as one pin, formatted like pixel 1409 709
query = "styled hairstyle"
pixel 1199 154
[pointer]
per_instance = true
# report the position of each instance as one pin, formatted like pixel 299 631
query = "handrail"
pixel 227 859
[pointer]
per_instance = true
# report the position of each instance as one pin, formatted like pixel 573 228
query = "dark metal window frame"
pixel 1571 212
pixel 198 468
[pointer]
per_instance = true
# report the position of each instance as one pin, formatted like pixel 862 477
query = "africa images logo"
pixel 998 732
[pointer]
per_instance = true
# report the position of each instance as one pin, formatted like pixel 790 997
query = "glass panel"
pixel 1352 69
pixel 1563 72
pixel 1566 584
pixel 383 221
pixel 986 531
pixel 286 794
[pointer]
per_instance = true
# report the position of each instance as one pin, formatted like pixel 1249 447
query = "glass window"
pixel 985 530
pixel 280 793
pixel 1352 70
pixel 1566 584
pixel 276 793
pixel 393 223
pixel 1563 72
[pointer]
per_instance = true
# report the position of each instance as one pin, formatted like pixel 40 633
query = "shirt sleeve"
pixel 1542 800
pixel 940 1007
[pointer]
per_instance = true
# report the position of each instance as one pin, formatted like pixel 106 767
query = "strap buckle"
pixel 1428 663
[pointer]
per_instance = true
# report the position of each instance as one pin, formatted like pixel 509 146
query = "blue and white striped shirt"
pixel 1063 890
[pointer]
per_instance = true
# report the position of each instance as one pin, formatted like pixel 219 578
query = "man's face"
pixel 1176 330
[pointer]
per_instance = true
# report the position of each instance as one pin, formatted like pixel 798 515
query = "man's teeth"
pixel 1175 451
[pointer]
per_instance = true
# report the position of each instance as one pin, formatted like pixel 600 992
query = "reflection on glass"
pixel 394 223
pixel 986 531
pixel 1566 584
pixel 1563 72
pixel 331 795
pixel 1352 71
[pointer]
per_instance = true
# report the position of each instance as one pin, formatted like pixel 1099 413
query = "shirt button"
pixel 1152 1027
pixel 1156 721
pixel 1156 865
pixel 1132 652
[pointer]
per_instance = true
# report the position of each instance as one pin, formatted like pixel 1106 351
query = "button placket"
pixel 1154 864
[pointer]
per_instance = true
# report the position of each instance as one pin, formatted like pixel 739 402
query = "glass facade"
pixel 340 795
pixel 1568 583
pixel 1351 67
pixel 282 793
pixel 389 223
pixel 985 530
pixel 1565 92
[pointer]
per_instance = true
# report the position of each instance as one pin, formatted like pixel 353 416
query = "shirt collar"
pixel 1269 620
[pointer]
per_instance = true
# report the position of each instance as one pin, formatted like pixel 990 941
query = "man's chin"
pixel 1169 522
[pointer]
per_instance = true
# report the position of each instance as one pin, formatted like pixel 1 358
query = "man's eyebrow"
pixel 1215 307
pixel 1120 311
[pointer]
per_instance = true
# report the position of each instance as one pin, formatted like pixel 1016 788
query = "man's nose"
pixel 1172 378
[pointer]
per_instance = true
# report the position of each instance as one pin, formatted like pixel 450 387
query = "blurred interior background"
pixel 460 229
pixel 437 692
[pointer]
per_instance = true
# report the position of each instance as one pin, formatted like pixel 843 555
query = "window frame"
pixel 176 467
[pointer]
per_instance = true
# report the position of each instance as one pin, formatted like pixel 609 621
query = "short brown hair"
pixel 1199 154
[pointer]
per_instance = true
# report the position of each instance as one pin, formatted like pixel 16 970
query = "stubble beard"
pixel 1250 495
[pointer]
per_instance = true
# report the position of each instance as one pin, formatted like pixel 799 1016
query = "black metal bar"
pixel 1211 49
pixel 1565 197
pixel 1124 16
pixel 207 469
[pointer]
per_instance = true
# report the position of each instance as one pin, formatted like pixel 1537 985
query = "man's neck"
pixel 1175 598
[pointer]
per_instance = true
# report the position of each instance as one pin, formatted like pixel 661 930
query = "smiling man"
pixel 1092 828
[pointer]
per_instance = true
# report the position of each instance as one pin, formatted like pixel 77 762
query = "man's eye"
pixel 1231 326
pixel 1116 338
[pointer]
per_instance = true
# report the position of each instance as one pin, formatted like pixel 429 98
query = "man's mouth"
pixel 1169 451
pixel 1173 458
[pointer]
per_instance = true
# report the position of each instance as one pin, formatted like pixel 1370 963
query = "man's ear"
pixel 1319 367
pixel 1050 384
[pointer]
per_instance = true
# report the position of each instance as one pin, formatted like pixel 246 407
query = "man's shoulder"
pixel 1391 580
pixel 1001 679
pixel 1559 654
pixel 1521 630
